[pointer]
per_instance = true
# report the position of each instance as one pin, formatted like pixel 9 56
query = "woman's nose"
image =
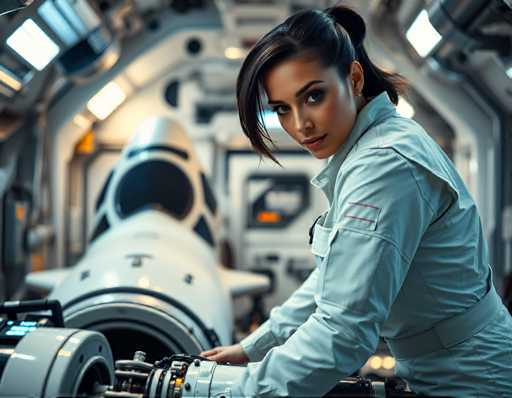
pixel 302 122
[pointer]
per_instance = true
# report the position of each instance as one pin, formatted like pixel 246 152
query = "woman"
pixel 400 252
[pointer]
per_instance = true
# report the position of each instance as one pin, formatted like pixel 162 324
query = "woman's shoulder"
pixel 403 136
pixel 398 144
pixel 392 132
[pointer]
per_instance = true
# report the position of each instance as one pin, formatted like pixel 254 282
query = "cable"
pixel 7 6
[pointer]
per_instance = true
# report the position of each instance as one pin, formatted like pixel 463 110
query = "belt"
pixel 449 332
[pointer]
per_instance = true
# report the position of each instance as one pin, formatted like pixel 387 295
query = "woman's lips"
pixel 314 143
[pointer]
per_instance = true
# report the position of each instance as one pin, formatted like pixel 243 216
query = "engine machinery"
pixel 64 362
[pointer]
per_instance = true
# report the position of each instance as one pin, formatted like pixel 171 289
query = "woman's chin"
pixel 321 154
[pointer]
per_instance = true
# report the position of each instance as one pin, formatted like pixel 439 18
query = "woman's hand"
pixel 234 354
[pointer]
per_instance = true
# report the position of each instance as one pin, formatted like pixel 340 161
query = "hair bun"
pixel 351 21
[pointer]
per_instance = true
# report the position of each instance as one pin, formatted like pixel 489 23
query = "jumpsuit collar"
pixel 374 112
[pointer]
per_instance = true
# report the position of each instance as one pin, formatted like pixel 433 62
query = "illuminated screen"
pixel 274 201
pixel 15 330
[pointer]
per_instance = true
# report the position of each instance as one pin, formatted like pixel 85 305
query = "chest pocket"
pixel 321 240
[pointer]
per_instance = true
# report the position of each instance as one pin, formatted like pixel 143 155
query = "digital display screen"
pixel 276 200
pixel 17 329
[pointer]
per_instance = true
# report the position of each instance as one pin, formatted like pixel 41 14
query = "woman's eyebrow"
pixel 299 92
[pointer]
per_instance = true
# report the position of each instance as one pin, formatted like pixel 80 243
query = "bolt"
pixel 189 278
pixel 187 386
pixel 197 362
pixel 139 356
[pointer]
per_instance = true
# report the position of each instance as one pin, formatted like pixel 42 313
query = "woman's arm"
pixel 283 320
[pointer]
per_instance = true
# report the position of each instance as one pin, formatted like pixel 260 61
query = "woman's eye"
pixel 280 109
pixel 315 96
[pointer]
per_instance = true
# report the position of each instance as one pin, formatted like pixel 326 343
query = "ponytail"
pixel 376 80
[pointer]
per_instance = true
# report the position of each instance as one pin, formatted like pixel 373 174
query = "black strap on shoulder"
pixel 312 229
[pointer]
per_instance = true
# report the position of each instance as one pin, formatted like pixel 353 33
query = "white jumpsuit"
pixel 400 249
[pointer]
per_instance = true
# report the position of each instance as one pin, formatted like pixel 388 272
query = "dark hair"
pixel 334 35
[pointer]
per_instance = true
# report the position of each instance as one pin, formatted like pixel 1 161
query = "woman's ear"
pixel 357 77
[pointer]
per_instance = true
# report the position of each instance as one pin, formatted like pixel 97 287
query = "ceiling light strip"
pixel 9 79
pixel 58 23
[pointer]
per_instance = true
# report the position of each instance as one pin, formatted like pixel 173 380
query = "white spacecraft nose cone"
pixel 159 170
pixel 158 131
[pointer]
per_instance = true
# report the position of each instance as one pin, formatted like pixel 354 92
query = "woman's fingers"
pixel 209 352
pixel 216 358
pixel 218 354
pixel 233 354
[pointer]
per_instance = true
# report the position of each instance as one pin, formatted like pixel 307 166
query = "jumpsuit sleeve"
pixel 381 216
pixel 283 320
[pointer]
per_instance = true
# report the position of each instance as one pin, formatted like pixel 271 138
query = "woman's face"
pixel 314 105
